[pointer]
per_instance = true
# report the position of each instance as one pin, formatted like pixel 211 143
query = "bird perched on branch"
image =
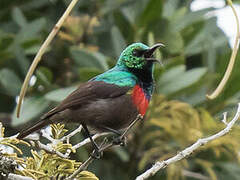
pixel 109 101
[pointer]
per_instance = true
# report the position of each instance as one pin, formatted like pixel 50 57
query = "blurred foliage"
pixel 189 124
pixel 195 58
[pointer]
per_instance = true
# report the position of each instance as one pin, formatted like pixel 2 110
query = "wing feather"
pixel 87 93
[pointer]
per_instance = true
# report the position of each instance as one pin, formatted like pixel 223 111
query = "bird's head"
pixel 138 56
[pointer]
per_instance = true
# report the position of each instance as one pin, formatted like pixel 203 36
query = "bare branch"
pixel 89 160
pixel 12 176
pixel 49 149
pixel 67 137
pixel 186 152
pixel 48 137
pixel 87 140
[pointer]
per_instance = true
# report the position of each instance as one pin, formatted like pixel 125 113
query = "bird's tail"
pixel 42 123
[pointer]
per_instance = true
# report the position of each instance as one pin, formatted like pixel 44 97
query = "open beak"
pixel 148 53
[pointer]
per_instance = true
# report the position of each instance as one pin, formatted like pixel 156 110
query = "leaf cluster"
pixel 181 125
pixel 41 164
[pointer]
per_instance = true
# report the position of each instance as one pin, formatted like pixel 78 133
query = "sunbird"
pixel 112 100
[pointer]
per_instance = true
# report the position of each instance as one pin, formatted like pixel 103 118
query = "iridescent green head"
pixel 137 56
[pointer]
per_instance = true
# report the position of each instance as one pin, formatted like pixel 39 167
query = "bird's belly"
pixel 115 113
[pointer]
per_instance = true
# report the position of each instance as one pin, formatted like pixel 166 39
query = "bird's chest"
pixel 140 100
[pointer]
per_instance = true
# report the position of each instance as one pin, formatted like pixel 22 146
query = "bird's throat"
pixel 144 75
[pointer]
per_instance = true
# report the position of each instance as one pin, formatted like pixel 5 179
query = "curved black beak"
pixel 148 53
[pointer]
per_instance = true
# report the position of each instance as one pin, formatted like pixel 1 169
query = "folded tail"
pixel 42 123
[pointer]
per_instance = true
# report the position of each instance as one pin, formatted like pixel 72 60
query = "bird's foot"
pixel 122 141
pixel 96 154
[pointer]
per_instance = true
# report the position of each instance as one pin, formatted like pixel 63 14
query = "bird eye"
pixel 137 52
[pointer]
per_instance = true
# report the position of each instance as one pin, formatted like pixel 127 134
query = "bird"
pixel 109 102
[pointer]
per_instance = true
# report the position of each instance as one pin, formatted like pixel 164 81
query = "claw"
pixel 96 154
pixel 119 141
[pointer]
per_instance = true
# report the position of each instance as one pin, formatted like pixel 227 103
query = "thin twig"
pixel 87 140
pixel 232 59
pixel 89 160
pixel 186 152
pixel 67 137
pixel 49 149
pixel 48 137
pixel 85 164
pixel 84 142
pixel 41 52
pixel 139 117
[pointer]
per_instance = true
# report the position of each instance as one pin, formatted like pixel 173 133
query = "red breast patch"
pixel 139 99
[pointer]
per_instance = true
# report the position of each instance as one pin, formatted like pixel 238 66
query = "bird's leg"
pixel 96 154
pixel 121 139
pixel 111 130
pixel 115 140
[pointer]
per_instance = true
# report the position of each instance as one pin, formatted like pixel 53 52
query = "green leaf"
pixel 170 7
pixel 138 7
pixel 32 5
pixel 5 41
pixel 32 50
pixel 123 155
pixel 230 170
pixel 172 74
pixel 44 75
pixel 85 58
pixel 87 73
pixel 151 13
pixel 10 82
pixel 110 6
pixel 30 31
pixel 31 108
pixel 59 94
pixel 176 80
pixel 197 97
pixel 86 175
pixel 179 22
pixel 18 17
pixel 118 41
pixel 209 37
pixel 174 42
pixel 21 59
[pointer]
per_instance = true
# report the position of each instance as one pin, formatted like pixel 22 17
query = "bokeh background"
pixel 195 58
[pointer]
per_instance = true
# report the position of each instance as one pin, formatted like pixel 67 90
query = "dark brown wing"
pixel 84 94
pixel 88 92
